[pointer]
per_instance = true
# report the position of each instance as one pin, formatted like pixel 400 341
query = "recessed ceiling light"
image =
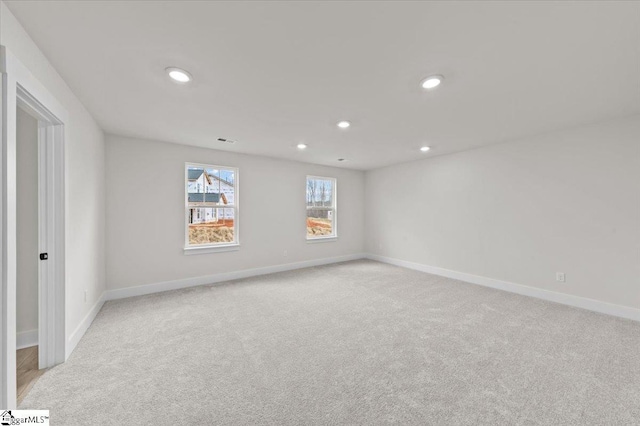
pixel 432 81
pixel 302 146
pixel 179 75
pixel 425 149
pixel 344 124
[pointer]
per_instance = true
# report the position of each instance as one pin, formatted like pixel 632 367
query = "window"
pixel 321 208
pixel 211 208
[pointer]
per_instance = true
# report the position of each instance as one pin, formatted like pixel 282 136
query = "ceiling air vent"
pixel 226 140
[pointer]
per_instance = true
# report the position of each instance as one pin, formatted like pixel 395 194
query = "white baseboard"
pixel 122 293
pixel 82 328
pixel 563 298
pixel 26 339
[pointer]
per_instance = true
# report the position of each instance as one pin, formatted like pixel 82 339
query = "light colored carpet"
pixel 353 343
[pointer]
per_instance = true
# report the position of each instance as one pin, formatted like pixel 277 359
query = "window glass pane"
pixel 320 207
pixel 319 192
pixel 211 209
pixel 196 180
pixel 319 222
pixel 211 225
pixel 222 181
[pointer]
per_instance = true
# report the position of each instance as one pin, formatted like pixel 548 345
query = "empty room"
pixel 320 212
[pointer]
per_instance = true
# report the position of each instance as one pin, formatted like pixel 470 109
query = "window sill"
pixel 188 251
pixel 322 239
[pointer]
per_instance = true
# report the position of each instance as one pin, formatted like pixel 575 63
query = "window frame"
pixel 333 208
pixel 212 247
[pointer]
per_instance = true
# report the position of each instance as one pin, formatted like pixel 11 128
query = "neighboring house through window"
pixel 211 206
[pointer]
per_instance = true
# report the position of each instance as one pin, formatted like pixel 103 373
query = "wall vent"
pixel 226 140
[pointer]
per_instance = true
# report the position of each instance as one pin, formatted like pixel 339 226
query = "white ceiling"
pixel 272 75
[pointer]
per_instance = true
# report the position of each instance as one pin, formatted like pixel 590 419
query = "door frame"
pixel 21 89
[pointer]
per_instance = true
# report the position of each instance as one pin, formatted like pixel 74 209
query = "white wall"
pixel 84 174
pixel 27 218
pixel 272 213
pixel 520 211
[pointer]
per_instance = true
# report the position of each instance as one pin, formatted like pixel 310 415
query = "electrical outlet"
pixel 560 277
pixel 85 296
pixel 285 253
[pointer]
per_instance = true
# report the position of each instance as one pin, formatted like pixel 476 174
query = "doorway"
pixel 25 102
pixel 27 254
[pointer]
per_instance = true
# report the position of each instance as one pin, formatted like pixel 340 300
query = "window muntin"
pixel 321 207
pixel 211 208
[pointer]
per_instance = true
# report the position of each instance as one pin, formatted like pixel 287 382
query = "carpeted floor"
pixel 353 343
